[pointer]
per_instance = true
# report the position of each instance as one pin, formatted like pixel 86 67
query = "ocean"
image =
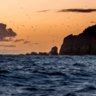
pixel 47 75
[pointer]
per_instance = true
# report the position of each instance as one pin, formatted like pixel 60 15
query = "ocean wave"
pixel 47 75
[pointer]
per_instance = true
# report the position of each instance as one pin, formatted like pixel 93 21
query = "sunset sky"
pixel 42 24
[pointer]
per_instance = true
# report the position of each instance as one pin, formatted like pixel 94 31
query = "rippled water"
pixel 47 75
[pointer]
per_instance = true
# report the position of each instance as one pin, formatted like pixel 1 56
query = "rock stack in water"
pixel 54 51
pixel 82 44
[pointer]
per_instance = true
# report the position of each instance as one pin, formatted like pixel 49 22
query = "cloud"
pixel 6 34
pixel 22 41
pixel 7 45
pixel 78 10
pixel 43 11
pixel 26 42
pixel 93 22
pixel 19 40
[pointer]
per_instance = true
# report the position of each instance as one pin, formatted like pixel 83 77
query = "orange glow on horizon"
pixel 43 29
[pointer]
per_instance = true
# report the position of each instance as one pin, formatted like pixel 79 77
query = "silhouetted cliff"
pixel 82 44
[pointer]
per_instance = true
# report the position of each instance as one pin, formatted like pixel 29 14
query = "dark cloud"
pixel 43 11
pixel 6 34
pixel 19 40
pixel 93 22
pixel 22 41
pixel 7 45
pixel 26 42
pixel 78 10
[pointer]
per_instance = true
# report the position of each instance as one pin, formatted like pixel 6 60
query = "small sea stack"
pixel 54 51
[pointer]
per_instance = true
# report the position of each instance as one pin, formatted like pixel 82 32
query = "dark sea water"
pixel 47 75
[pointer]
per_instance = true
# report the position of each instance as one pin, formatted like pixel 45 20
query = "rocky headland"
pixel 82 44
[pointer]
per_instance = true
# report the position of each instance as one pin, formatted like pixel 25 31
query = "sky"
pixel 38 25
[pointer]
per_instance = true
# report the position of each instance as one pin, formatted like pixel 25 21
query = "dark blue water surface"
pixel 47 75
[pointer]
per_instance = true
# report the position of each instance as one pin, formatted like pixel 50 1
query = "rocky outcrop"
pixel 35 53
pixel 43 53
pixel 54 51
pixel 82 44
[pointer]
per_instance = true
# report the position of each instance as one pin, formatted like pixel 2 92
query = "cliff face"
pixel 82 44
